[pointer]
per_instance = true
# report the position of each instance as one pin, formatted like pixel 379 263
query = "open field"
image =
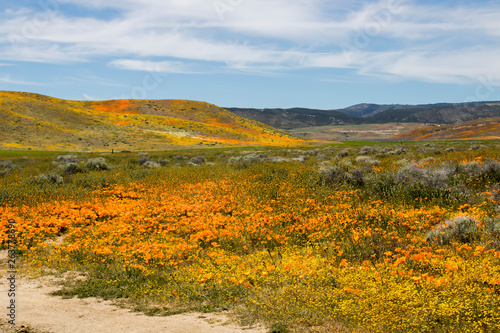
pixel 479 129
pixel 355 132
pixel 344 238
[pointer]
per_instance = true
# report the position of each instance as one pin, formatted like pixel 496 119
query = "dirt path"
pixel 45 313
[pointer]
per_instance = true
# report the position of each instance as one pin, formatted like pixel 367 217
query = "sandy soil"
pixel 45 313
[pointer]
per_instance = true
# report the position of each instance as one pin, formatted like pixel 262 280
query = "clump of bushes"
pixel 367 150
pixel 197 160
pixel 246 160
pixel 146 161
pixel 333 175
pixel 462 229
pixel 476 147
pixel 6 167
pixel 437 179
pixel 98 163
pixel 343 153
pixel 367 160
pixel 67 159
pixel 163 162
pixel 151 165
pixel 399 151
pixel 50 178
pixel 70 168
pixel 492 227
pixel 68 164
pixel 488 171
pixel 301 159
pixel 312 152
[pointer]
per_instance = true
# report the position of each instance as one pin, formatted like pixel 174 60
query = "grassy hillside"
pixel 480 129
pixel 32 121
pixel 297 117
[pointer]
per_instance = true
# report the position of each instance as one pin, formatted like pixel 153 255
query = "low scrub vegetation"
pixel 349 239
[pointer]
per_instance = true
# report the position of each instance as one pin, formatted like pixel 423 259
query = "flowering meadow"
pixel 375 238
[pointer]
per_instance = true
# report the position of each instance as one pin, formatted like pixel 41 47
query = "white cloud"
pixel 7 79
pixel 151 66
pixel 394 38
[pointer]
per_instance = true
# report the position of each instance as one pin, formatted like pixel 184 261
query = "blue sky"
pixel 253 53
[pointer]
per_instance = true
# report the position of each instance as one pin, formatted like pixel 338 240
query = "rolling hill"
pixel 297 117
pixel 478 129
pixel 33 121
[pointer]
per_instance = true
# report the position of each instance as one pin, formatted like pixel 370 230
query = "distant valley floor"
pixel 356 132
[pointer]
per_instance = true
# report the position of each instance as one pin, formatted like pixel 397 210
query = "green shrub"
pixel 197 160
pixel 367 150
pixel 67 159
pixel 278 328
pixel 163 162
pixel 247 160
pixel 492 227
pixel 98 163
pixel 343 153
pixel 151 165
pixel 367 160
pixel 50 178
pixel 70 168
pixel 462 229
pixel 332 175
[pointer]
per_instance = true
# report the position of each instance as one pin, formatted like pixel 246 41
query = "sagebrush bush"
pixel 6 166
pixel 367 150
pixel 311 152
pixel 337 175
pixel 301 159
pixel 49 178
pixel 462 229
pixel 476 147
pixel 343 153
pixel 70 168
pixel 367 160
pixel 98 163
pixel 163 162
pixel 198 160
pixel 246 160
pixel 399 151
pixel 471 168
pixel 490 170
pixel 151 165
pixel 67 159
pixel 143 160
pixel 492 227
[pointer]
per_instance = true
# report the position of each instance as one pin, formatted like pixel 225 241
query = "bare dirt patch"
pixel 38 312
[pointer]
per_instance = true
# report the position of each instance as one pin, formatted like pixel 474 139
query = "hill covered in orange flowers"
pixel 479 129
pixel 33 121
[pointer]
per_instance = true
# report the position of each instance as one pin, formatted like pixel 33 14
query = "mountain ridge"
pixel 366 113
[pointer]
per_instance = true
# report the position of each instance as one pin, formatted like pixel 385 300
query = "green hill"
pixel 33 121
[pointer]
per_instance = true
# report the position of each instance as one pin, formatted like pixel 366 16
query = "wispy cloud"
pixel 151 66
pixel 9 80
pixel 388 38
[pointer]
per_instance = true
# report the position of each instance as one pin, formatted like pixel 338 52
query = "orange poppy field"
pixel 376 238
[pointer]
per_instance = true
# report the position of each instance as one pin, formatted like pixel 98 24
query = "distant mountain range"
pixel 441 113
